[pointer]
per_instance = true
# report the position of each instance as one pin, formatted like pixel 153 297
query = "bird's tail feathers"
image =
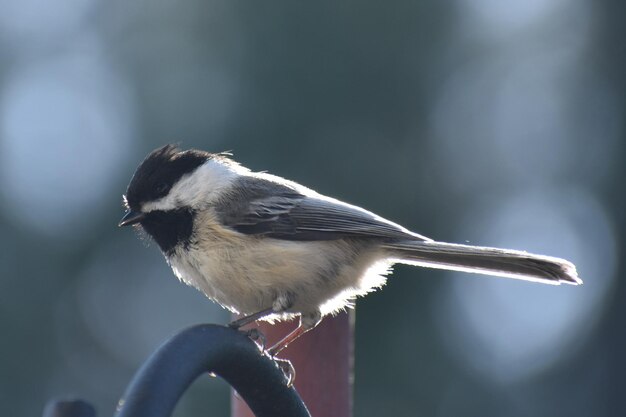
pixel 485 260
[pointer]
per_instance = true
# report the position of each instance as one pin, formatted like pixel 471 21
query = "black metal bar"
pixel 166 375
pixel 69 408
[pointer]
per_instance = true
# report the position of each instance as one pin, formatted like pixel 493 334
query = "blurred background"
pixel 472 121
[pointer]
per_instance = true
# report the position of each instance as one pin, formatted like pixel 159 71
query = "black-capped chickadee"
pixel 269 248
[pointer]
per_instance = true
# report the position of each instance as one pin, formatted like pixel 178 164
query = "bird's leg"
pixel 251 318
pixel 307 322
pixel 253 334
pixel 282 303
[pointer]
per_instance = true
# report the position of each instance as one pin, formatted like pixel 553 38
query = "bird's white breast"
pixel 246 273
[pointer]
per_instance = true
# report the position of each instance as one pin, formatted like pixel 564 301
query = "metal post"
pixel 323 359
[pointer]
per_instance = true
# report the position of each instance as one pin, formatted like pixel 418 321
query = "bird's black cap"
pixel 161 169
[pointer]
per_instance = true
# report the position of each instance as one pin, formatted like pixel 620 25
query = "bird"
pixel 268 248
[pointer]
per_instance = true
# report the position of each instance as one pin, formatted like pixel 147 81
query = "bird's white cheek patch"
pixel 165 204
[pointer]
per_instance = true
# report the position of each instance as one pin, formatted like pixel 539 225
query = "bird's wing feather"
pixel 280 211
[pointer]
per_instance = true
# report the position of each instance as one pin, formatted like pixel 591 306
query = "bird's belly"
pixel 248 277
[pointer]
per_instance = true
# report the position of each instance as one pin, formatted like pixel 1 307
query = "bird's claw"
pixel 288 370
pixel 283 364
pixel 258 337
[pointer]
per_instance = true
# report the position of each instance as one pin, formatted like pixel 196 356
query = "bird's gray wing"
pixel 280 211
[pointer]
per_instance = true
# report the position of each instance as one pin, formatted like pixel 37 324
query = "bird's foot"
pixel 256 336
pixel 288 370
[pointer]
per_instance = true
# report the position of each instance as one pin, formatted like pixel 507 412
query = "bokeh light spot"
pixel 508 329
pixel 65 126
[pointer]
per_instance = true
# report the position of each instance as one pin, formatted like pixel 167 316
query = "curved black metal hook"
pixel 166 375
pixel 69 408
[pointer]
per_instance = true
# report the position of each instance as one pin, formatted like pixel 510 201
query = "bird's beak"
pixel 131 217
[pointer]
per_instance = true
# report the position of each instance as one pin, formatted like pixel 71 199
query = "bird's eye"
pixel 161 187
